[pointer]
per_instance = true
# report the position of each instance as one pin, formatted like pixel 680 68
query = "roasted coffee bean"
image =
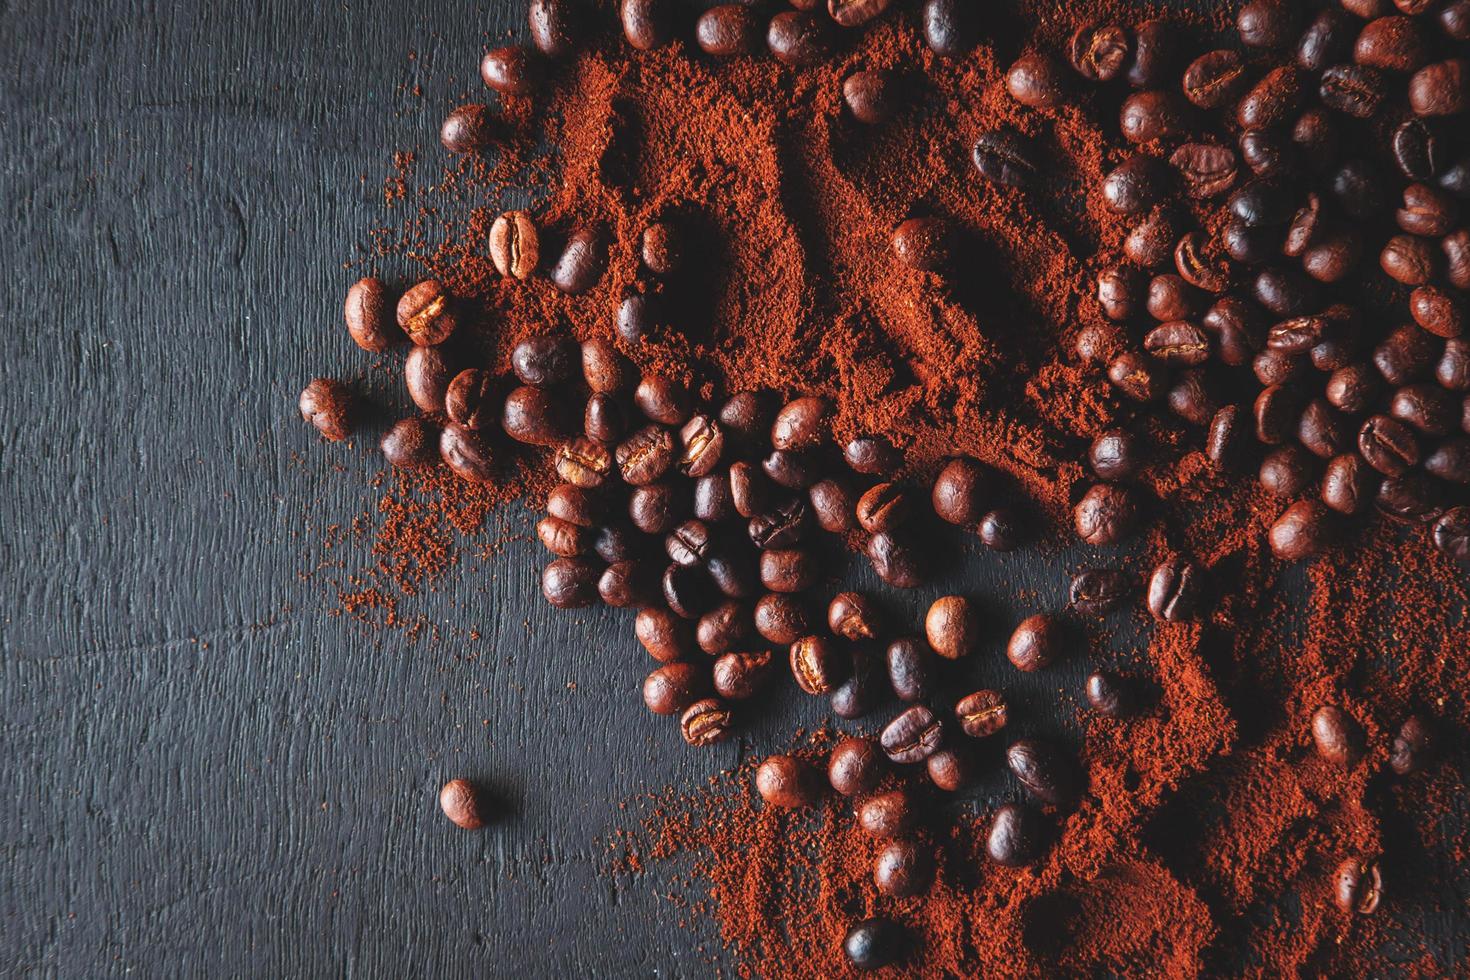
pixel 750 491
pixel 1413 497
pixel 1037 80
pixel 1227 441
pixel 1408 259
pixel 1152 115
pixel 1333 353
pixel 1450 460
pixel 1151 242
pixel 981 713
pixel 511 70
pixel 1322 430
pixel 628 583
pixel 687 590
pixel 533 416
pixel 781 619
pixel 1100 52
pixel 913 736
pixel 887 815
pixel 728 30
pixel 1276 411
pixel 1337 736
pixel 1358 189
pixel 470 399
pixel 1392 44
pixel 924 244
pixel 871 96
pixel 329 406
pixel 427 372
pixel 834 505
pixel 602 419
pixel 1357 886
pixel 1273 368
pixel 1284 292
pixel 1175 590
pixel 798 38
pixel 574 505
pixel 1120 292
pixel 791 469
pixel 1287 471
pixel 1454 20
pixel 1200 263
pixel 1108 694
pixel 801 424
pixel 604 368
pixel 1455 177
pixel 647 24
pixel 468 129
pixel 646 455
pixel 1133 186
pixel 368 312
pixel 555 27
pixel 853 616
pixel 951 769
pixel 618 542
pixel 410 443
pixel 515 246
pixel 1177 342
pixel 1250 245
pixel 902 869
pixel 663 635
pixel 1427 211
pixel 663 400
pixel 786 781
pixel 1303 530
pixel 703 443
pixel 1427 407
pixel 1046 773
pixel 1417 150
pixel 1269 153
pixel 581 263
pixel 656 508
pixel 467 453
pixel 952 627
pixel 781 527
pixel 1413 747
pixel 1098 591
pixel 1453 369
pixel 1036 643
pixel 1353 389
pixel 863 690
pixel 1015 837
pixel 1001 530
pixel 951 27
pixel 461 803
pixel 738 676
pixel 584 463
pixel 1388 445
pixel 569 583
pixel 1298 335
pixel 1327 40
pixel 1097 342
pixel 960 491
pixel 1261 203
pixel 1237 329
pixel 1352 90
pixel 855 766
pixel 706 722
pixel 1456 249
pixel 1106 514
pixel 1437 311
pixel 787 570
pixel 1171 298
pixel 910 669
pixel 1004 156
pixel 689 543
pixel 871 456
pixel 1115 454
pixel 1347 486
pixel 1266 23
pixel 1205 169
pixel 723 628
pixel 426 314
pixel 1134 377
pixel 885 507
pixel 1153 54
pixel 1315 136
pixel 875 943
pixel 895 560
pixel 1215 79
pixel 563 538
pixel 855 13
pixel 1272 100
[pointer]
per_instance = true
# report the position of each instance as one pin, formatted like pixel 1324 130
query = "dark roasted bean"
pixel 855 766
pixel 1357 886
pixel 1303 530
pixel 1016 836
pixel 781 619
pixel 1337 736
pixel 467 453
pixel 569 583
pixel 511 70
pixel 895 560
pixel 910 669
pixel 1037 80
pixel 1035 643
pixel 951 27
pixel 981 713
pixel 1347 485
pixel 1098 591
pixel 329 406
pixel 913 736
pixel 1046 773
pixel 1004 156
pixel 786 781
pixel 1106 514
pixel 1108 694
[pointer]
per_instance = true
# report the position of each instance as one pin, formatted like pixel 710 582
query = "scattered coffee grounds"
pixel 881 273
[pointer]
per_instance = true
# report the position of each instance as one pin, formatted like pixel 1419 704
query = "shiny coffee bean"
pixel 1108 694
pixel 1357 886
pixel 871 96
pixel 960 492
pixel 1005 157
pixel 981 713
pixel 1038 81
pixel 951 27
pixel 1337 736
pixel 1106 514
pixel 913 736
pixel 411 443
pixel 1016 836
pixel 875 943
pixel 1413 747
pixel 833 504
pixel 1044 771
pixel 1098 591
pixel 896 560
pixel 329 406
pixel 1348 484
pixel 511 70
pixel 787 570
pixel 910 669
pixel 1175 590
pixel 688 591
pixel 952 627
pixel 1304 530
pixel 818 664
pixel 467 453
pixel 555 27
pixel 855 766
pixel 781 619
pixel 570 583
pixel 786 781
pixel 853 616
pixel 738 676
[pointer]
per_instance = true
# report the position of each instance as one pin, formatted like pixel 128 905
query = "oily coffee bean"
pixel 1454 20
pixel 1175 590
pixel 1227 441
pixel 1097 342
pixel 563 538
pixel 663 635
pixel 1414 498
pixel 1261 203
pixel 952 627
pixel 1303 530
pixel 738 676
pixel 1134 377
pixel 617 542
pixel 706 722
pixel 1205 169
pixel 1237 329
pixel 1266 23
pixel 1408 259
pixel 1427 407
pixel 689 543
pixel 410 443
pixel 1427 211
pixel 466 452
pixel 875 943
pixel 427 372
pixel 1322 430
pixel 1153 54
pixel 910 669
pixel 1045 771
pixel 1015 837
pixel 781 527
pixel 871 96
pixel 727 30
pixel 1151 242
pixel 902 869
pixel 863 690
pixel 951 769
pixel 1037 80
pixel 1177 342
pixel 1171 298
pixel 1348 484
pixel 468 129
pixel 1152 115
pixel 605 370
pixel 855 13
pixel 1453 369
pixel 656 508
pixel 1200 263
pixel 368 312
pixel 646 455
pixel 787 570
pixel 853 616
pixel 1284 292
pixel 1272 100
pixel 913 736
pixel 750 490
pixel 793 470
pixel 951 27
pixel 798 38
pixel 1315 134
pixel 1273 368
pixel 637 316
pixel 569 583
pixel 688 590
pixel 1133 186
pixel 515 246
pixel 574 505
pixel 426 314
pixel 1108 694
pixel 885 507
pixel 1354 388
pixel 581 262
pixel 1388 445
pixel 1358 189
pixel 1413 747
pixel 746 418
pixel 647 24
pixel 1337 736
pixel 1215 79
pixel 461 803
pixel 1450 460
pixel 663 400
pixel 981 713
pixel 1352 90
pixel 584 463
pixel 1098 591
pixel 1417 150
pixel 555 27
pixel 703 443
pixel 895 560
pixel 800 424
pixel 1036 643
pixel 1455 177
pixel 1004 156
pixel 786 781
pixel 1277 408
pixel 511 70
pixel 1250 245
pixel 781 619
pixel 1287 471
pixel 1115 454
pixel 1327 40
pixel 960 491
pixel 924 244
pixel 1357 886
pixel 1441 88
pixel 628 583
pixel 1456 249
pixel 1106 514
pixel 1120 292
pixel 733 574
pixel 855 766
pixel 1451 533
pixel 886 815
pixel 1391 43
pixel 1332 257
pixel 470 399
pixel 1268 153
pixel 1436 311
pixel 662 248
pixel 329 406
pixel 602 419
pixel 1100 52
pixel 533 416
pixel 871 456
pixel 723 628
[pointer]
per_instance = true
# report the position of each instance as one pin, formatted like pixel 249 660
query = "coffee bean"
pixel 1171 298
pixel 1151 242
pixel 1358 189
pixel 581 263
pixel 470 399
pixel 460 801
pixel 1347 486
pixel 853 616
pixel 798 38
pixel 887 815
pixel 746 418
pixel 426 314
pixel 369 316
pixel 1215 79
pixel 1152 115
pixel 1277 408
pixel 1337 736
pixel 1036 643
pixel 1326 41
pixel 466 452
pixel 786 781
pixel 468 129
pixel 871 456
pixel 1287 471
pixel 1250 245
pixel 875 943
pixel 951 27
pixel 410 443
pixel 871 96
pixel 1303 530
pixel 1097 342
pixel 1357 886
pixel 1115 454
pixel 1200 263
pixel 862 692
pixel 1133 186
pixel 952 627
pixel 1353 388
pixel 924 244
pixel 1269 154
pixel 689 543
pixel 1177 342
pixel 1108 694
pixel 1275 369
pixel 1388 445
pixel 1456 249
pixel 1417 150
pixel 1266 23
pixel 568 583
pixel 781 619
pixel 1106 514
pixel 1454 20
pixel 1409 260
pixel 1100 52
pixel 895 560
pixel 1441 89
pixel 617 542
pixel 646 455
pixel 960 491
pixel 1004 156
pixel 910 669
pixel 982 713
pixel 1391 44
pixel 855 766
pixel 738 676
pixel 1315 135
pixel 1046 773
pixel 1237 329
pixel 602 419
pixel 913 736
pixel 706 722
pixel 1001 530
pixel 1453 369
pixel 688 590
pixel 628 583
pixel 780 527
pixel 793 470
pixel 1322 430
pixel 1450 461
pixel 427 372
pixel 515 246
pixel 663 635
pixel 1413 747
pixel 554 27
pixel 787 570
pixel 1427 407
pixel 1015 836
pixel 727 30
pixel 584 463
pixel 563 538
pixel 902 870
pixel 605 370
pixel 1272 100
pixel 1352 90
pixel 1427 211
pixel 1205 169
pixel 1227 441
pixel 855 13
pixel 1037 80
pixel 511 70
pixel 1098 591
pixel 801 424
pixel 1437 311
pixel 1153 54
pixel 328 405
pixel 1120 292
pixel 951 769
pixel 1413 497
pixel 885 507
pixel 647 24
pixel 1134 377
pixel 1175 590
pixel 533 416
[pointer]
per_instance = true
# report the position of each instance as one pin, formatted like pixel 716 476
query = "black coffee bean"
pixel 1153 54
pixel 1001 530
pixel 910 669
pixel 1227 441
pixel 746 419
pixel 628 583
pixel 863 690
pixel 1269 154
pixel 511 70
pixel 1016 836
pixel 1326 41
pixel 1045 771
pixel 617 542
pixel 1108 694
pixel 1427 407
pixel 750 490
pixel 1153 115
pixel 896 560
pixel 791 469
pixel 1322 430
pixel 798 38
pixel 574 505
pixel 1115 454
pixel 1413 748
pixel 1413 497
pixel 1037 80
pixel 1388 445
pixel 1205 169
pixel 1358 189
pixel 913 736
pixel 1266 23
pixel 1175 590
pixel 1452 533
pixel 1098 591
pixel 951 27
pixel 734 574
pixel 871 96
pixel 467 453
pixel 872 456
pixel 1277 408
pixel 875 943
pixel 1004 156
pixel 1352 90
pixel 1261 203
pixel 410 443
pixel 468 129
pixel 688 590
pixel 1237 328
pixel 688 543
pixel 637 317
pixel 1151 242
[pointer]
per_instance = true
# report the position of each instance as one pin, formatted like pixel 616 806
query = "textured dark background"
pixel 204 769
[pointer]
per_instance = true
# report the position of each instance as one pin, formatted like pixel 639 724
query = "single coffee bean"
pixel 1266 23
pixel 871 456
pixel 584 463
pixel 1413 747
pixel 555 27
pixel 646 455
pixel 426 314
pixel 470 399
pixel 511 70
pixel 1038 81
pixel 855 766
pixel 871 96
pixel 1120 292
pixel 515 246
pixel 913 736
pixel 460 801
pixel 410 443
pixel 895 560
pixel 369 315
pixel 628 583
pixel 1347 486
pixel 703 442
pixel 1315 136
pixel 1108 694
pixel 1236 327
pixel 902 869
pixel 853 616
pixel 1303 530
pixel 569 583
pixel 1357 886
pixel 787 570
pixel 328 405
pixel 1451 533
pixel 1414 498
pixel 1151 242
pixel 1115 454
pixel 1352 90
pixel 834 504
pixel 617 542
pixel 1322 430
pixel 1192 398
pixel 712 501
pixel 1098 591
pixel 952 627
pixel 1327 40
pixel 1287 471
pixel 533 416
pixel 1200 263
pixel 466 452
pixel 1273 99
pixel 1456 249
pixel 1096 343
pixel 1388 445
pixel 910 669
pixel 602 419
pixel 688 590
pixel 1417 150
pixel 924 244
pixel 1001 530
pixel 468 129
pixel 1152 115
pixel 855 13
pixel 1250 245
pixel 706 722
pixel 1106 514
pixel 728 30
pixel 801 424
pixel 781 619
pixel 663 635
pixel 791 469
pixel 1135 377
pixel 951 769
pixel 738 676
pixel 1133 186
pixel 427 372
pixel 875 943
pixel 798 38
pixel 960 492
pixel 951 27
pixel 1337 736
pixel 1015 837
pixel 656 508
pixel 1226 443
pixel 1358 189
pixel 750 490
pixel 1205 169
pixel 1175 590
pixel 1427 211
pixel 1274 369
pixel 1046 773
pixel 1450 461
pixel 1353 389
pixel 981 713
pixel 1392 44
pixel 724 628
pixel 1436 311
pixel 885 507
pixel 605 370
pixel 1409 260
pixel 581 263
pixel 818 664
pixel 1277 408
pixel 1177 342
pixel 1005 157
pixel 1153 54
pixel 1427 407
pixel 786 781
pixel 672 688
pixel 1100 52
pixel 1441 89
pixel 647 24
pixel 563 538
pixel 781 527
pixel 887 815
pixel 1036 643
pixel 637 316
pixel 1454 20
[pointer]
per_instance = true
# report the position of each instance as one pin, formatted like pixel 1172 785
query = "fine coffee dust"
pixel 1211 828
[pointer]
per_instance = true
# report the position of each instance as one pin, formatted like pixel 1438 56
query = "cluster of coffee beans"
pixel 1257 179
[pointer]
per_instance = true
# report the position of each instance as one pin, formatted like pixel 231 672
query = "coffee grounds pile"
pixel 1210 829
